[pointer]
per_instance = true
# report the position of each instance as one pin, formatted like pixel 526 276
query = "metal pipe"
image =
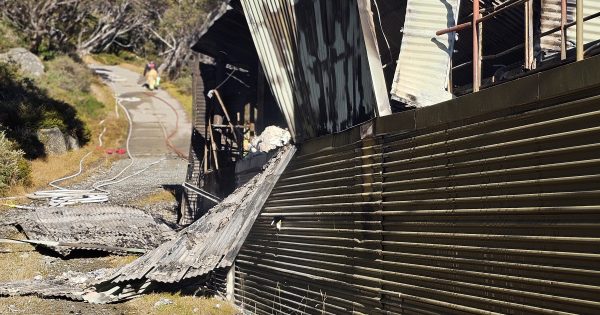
pixel 476 39
pixel 563 30
pixel 579 30
pixel 495 12
pixel 456 28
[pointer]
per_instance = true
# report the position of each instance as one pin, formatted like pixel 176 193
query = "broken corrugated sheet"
pixel 314 56
pixel 210 243
pixel 551 16
pixel 100 228
pixel 70 285
pixel 423 68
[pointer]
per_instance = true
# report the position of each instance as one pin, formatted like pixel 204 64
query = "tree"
pixel 118 22
pixel 36 19
pixel 177 31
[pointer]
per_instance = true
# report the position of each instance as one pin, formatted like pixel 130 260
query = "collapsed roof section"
pixel 210 243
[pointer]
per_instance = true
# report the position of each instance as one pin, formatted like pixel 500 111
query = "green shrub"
pixel 25 108
pixel 65 73
pixel 90 107
pixel 184 84
pixel 108 59
pixel 10 38
pixel 14 169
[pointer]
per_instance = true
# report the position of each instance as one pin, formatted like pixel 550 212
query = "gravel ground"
pixel 168 174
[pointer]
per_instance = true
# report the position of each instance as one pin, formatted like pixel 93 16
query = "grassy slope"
pixel 93 106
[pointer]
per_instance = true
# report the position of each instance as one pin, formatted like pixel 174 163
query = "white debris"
pixel 271 138
pixel 162 302
pixel 38 278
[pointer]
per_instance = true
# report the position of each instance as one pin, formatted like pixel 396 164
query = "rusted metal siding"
pixel 551 14
pixel 314 56
pixel 191 206
pixel 480 205
pixel 422 72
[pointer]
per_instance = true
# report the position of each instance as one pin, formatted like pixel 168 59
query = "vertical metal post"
pixel 476 42
pixel 230 285
pixel 563 29
pixel 529 54
pixel 579 30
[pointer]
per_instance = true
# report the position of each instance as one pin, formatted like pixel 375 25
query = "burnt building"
pixel 447 161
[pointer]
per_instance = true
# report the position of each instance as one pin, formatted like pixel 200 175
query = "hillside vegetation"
pixel 67 96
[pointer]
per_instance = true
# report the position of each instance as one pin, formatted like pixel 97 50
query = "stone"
pixel 162 302
pixel 29 63
pixel 72 143
pixel 53 140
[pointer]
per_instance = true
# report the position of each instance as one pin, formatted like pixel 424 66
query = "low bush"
pixel 14 169
pixel 9 38
pixel 25 108
pixel 65 73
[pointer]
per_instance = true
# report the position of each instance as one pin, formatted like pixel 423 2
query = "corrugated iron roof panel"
pixel 423 66
pixel 316 60
pixel 210 243
pixel 101 228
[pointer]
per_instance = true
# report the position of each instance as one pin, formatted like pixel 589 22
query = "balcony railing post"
pixel 563 29
pixel 476 47
pixel 579 30
pixel 529 53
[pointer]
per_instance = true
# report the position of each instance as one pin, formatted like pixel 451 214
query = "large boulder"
pixel 53 140
pixel 29 63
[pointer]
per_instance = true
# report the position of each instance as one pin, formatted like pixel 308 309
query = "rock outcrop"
pixel 29 63
pixel 53 139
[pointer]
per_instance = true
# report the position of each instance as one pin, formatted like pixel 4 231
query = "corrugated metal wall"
pixel 496 213
pixel 421 77
pixel 190 206
pixel 314 56
pixel 551 18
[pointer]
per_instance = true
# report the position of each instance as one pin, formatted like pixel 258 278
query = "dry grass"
pixel 120 261
pixel 183 98
pixel 154 198
pixel 181 305
pixel 21 262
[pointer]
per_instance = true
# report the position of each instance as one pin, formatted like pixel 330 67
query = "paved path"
pixel 153 119
pixel 152 116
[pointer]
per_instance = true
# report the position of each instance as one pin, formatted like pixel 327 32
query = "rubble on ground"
pixel 114 229
pixel 71 285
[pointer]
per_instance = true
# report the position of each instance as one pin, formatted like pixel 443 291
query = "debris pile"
pixel 211 243
pixel 118 230
pixel 71 285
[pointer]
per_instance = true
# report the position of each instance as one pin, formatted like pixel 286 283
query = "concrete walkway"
pixel 154 114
